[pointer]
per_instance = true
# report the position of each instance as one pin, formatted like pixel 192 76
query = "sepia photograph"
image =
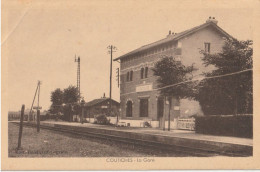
pixel 128 84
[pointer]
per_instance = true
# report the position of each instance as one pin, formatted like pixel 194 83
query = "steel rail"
pixel 200 152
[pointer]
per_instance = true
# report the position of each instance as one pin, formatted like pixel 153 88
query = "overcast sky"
pixel 41 38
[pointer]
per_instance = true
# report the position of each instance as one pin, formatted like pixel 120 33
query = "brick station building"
pixel 139 98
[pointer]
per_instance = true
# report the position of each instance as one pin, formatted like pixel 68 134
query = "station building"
pixel 139 98
pixel 101 107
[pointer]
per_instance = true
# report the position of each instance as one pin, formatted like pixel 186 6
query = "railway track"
pixel 199 152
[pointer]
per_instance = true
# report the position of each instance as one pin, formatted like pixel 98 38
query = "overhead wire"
pixel 198 79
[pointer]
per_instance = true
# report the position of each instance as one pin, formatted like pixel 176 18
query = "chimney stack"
pixel 104 96
pixel 212 20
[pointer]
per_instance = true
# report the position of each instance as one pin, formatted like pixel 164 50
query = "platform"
pixel 234 145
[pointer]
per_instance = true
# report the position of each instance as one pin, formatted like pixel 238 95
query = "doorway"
pixel 129 109
pixel 144 107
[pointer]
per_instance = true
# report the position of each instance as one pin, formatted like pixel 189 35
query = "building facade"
pixel 101 107
pixel 140 98
pixel 97 107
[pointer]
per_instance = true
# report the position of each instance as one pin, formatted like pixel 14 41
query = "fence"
pixel 186 124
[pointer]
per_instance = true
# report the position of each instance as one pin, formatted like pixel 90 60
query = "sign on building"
pixel 36 107
pixel 142 88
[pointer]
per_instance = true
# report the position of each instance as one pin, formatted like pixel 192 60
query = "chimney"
pixel 212 20
pixel 170 33
pixel 104 96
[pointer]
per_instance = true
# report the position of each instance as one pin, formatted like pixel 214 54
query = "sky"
pixel 41 38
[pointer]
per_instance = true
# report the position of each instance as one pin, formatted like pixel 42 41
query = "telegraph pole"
pixel 39 84
pixel 33 103
pixel 118 78
pixel 111 49
pixel 38 108
pixel 77 60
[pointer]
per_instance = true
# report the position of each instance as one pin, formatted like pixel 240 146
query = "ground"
pixel 53 144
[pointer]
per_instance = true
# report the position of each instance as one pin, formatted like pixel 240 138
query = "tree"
pixel 70 98
pixel 171 72
pixel 57 101
pixel 71 95
pixel 231 94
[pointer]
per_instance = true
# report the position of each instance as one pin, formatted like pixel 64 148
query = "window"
pixel 146 72
pixel 142 73
pixel 127 76
pixel 131 75
pixel 207 47
pixel 129 107
pixel 144 107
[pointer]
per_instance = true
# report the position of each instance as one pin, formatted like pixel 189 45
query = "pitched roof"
pixel 175 38
pixel 97 101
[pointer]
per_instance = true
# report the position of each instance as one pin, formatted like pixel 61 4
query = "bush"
pixel 227 125
pixel 102 119
pixel 147 124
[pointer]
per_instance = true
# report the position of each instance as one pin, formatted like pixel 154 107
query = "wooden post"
pixel 164 113
pixel 21 128
pixel 32 104
pixel 88 110
pixel 82 115
pixel 70 113
pixel 169 116
pixel 38 120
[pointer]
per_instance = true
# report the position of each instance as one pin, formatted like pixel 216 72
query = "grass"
pixel 52 144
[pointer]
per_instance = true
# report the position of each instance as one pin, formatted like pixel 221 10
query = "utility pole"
pixel 118 78
pixel 111 49
pixel 39 84
pixel 38 108
pixel 77 60
pixel 33 102
pixel 38 120
pixel 118 81
pixel 164 111
pixel 82 110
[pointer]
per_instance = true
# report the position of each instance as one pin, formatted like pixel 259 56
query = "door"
pixel 160 107
pixel 129 109
pixel 143 107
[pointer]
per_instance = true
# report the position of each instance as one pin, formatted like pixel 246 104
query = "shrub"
pixel 147 124
pixel 227 125
pixel 102 119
